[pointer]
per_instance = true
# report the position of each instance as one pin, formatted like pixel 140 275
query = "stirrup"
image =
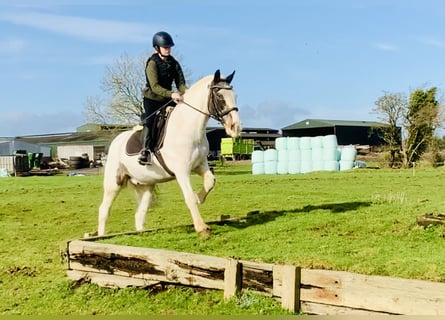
pixel 145 158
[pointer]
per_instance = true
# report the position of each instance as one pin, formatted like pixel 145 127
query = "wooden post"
pixel 290 294
pixel 233 278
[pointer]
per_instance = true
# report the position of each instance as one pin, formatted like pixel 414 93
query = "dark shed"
pixel 347 132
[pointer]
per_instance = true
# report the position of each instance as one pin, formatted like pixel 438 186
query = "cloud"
pixel 386 47
pixel 271 114
pixel 22 123
pixel 89 29
pixel 11 45
pixel 433 42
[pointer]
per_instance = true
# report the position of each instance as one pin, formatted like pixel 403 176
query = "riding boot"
pixel 145 157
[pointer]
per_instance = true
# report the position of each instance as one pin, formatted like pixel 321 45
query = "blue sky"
pixel 294 59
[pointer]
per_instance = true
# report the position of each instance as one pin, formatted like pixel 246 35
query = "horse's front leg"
pixel 208 182
pixel 144 195
pixel 191 200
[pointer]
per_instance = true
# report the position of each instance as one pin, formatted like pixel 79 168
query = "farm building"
pixel 347 132
pixel 94 140
pixel 263 137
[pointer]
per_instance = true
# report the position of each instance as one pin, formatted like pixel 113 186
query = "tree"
pixel 391 108
pixel 422 118
pixel 122 85
pixel 419 117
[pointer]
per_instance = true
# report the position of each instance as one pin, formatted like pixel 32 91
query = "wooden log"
pixel 233 278
pixel 374 293
pixel 258 277
pixel 430 219
pixel 286 284
pixel 321 291
pixel 148 264
pixel 109 281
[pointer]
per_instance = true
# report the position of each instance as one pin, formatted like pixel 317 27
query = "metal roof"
pixel 318 123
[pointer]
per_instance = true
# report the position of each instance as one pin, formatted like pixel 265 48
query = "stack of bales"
pixel 295 155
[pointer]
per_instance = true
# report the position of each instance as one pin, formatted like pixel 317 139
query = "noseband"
pixel 216 103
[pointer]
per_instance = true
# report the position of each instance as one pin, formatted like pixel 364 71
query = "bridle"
pixel 216 102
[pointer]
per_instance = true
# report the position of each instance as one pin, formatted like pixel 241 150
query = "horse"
pixel 184 151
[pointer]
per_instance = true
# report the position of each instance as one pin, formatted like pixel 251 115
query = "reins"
pixel 212 104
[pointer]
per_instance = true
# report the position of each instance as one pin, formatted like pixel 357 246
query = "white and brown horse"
pixel 184 151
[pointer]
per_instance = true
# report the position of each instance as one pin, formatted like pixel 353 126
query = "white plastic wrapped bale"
pixel 331 166
pixel 270 161
pixel 348 153
pixel 317 154
pixel 283 159
pixel 305 143
pixel 347 159
pixel 305 166
pixel 282 167
pixel 293 167
pixel 316 142
pixel 281 143
pixel 331 154
pixel 293 143
pixel 270 167
pixel 330 141
pixel 318 165
pixel 257 156
pixel 258 168
pixel 283 155
pixel 294 155
pixel 270 155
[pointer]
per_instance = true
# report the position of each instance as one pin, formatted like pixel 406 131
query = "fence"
pixel 321 292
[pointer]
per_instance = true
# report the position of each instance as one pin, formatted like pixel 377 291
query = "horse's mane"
pixel 198 84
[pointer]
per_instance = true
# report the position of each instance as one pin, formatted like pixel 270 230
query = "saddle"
pixel 135 142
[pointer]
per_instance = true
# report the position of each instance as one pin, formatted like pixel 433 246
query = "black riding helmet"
pixel 162 39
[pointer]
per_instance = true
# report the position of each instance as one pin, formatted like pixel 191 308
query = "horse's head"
pixel 222 104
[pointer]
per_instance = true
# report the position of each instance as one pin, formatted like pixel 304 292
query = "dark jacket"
pixel 160 76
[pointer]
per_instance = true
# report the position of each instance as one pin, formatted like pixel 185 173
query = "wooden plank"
pixel 148 264
pixel 109 281
pixel 258 277
pixel 286 284
pixel 233 278
pixel 376 293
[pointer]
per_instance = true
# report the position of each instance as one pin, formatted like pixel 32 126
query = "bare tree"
pixel 418 118
pixel 122 86
pixel 391 108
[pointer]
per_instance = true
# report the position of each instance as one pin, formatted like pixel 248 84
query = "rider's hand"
pixel 177 96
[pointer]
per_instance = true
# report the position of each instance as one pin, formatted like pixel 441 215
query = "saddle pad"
pixel 134 144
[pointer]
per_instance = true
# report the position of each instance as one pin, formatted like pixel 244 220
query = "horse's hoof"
pixel 90 234
pixel 205 234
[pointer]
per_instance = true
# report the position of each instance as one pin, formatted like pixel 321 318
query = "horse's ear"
pixel 229 78
pixel 217 76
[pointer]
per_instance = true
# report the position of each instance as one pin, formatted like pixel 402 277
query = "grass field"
pixel 360 221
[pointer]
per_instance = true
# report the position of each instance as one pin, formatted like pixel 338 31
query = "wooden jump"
pixel 309 291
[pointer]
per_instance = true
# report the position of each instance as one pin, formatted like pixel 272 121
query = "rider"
pixel 161 71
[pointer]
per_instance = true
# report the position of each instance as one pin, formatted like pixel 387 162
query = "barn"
pixel 347 132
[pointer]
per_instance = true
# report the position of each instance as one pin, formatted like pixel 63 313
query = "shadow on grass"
pixel 258 217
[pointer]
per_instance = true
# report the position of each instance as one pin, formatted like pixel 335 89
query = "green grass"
pixel 360 221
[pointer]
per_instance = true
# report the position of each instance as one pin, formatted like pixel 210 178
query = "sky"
pixel 294 59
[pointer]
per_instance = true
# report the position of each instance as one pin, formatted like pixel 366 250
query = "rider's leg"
pixel 145 157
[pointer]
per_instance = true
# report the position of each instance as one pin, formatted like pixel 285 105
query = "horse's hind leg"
pixel 208 182
pixel 113 182
pixel 110 194
pixel 144 195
